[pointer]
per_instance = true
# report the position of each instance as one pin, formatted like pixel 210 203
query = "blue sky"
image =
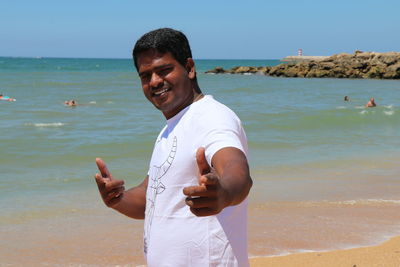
pixel 216 29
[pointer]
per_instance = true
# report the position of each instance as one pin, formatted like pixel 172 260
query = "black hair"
pixel 164 40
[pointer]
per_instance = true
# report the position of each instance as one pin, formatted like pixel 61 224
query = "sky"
pixel 216 29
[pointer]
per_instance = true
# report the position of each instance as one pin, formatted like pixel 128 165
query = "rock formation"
pixel 358 65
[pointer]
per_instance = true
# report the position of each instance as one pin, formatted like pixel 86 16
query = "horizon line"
pixel 51 57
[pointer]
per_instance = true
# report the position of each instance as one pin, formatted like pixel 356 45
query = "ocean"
pixel 326 172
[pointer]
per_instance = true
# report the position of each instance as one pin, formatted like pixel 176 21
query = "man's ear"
pixel 191 69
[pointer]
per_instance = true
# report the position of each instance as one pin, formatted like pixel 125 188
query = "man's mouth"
pixel 161 91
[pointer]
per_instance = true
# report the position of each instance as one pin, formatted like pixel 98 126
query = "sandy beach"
pixel 386 254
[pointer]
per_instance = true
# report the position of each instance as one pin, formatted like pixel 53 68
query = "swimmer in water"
pixel 71 103
pixel 7 98
pixel 371 103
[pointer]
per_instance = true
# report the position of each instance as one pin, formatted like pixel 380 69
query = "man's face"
pixel 165 82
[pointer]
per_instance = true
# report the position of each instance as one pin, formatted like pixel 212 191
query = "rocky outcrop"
pixel 358 65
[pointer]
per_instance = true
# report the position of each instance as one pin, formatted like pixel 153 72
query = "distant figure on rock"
pixel 371 103
pixel 346 98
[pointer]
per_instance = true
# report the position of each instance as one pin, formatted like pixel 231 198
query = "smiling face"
pixel 165 82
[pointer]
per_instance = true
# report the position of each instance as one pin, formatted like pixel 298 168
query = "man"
pixel 194 198
pixel 371 103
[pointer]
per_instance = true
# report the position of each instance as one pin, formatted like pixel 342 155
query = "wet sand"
pixel 386 254
pixel 85 232
pixel 102 237
pixel 290 228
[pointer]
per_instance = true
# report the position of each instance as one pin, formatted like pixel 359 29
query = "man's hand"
pixel 111 190
pixel 209 197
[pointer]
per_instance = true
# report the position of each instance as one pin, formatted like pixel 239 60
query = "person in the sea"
pixel 371 103
pixel 194 197
pixel 71 103
pixel 346 98
pixel 7 98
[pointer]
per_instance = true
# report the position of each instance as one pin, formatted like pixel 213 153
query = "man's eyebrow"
pixel 163 66
pixel 157 68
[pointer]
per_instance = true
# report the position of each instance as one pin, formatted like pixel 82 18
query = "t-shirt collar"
pixel 172 121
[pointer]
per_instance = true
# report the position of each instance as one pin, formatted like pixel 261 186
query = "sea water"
pixel 314 158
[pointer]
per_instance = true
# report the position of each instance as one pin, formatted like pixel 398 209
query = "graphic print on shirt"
pixel 157 187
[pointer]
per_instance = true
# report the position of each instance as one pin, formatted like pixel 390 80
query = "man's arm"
pixel 131 203
pixel 225 184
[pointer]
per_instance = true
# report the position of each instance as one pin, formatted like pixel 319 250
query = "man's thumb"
pixel 202 163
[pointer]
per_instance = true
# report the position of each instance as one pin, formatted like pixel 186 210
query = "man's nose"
pixel 156 81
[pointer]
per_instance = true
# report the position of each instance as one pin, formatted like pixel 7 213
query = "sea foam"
pixel 50 124
pixel 369 201
pixel 389 112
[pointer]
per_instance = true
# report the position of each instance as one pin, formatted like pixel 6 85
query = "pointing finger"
pixel 200 191
pixel 103 168
pixel 194 190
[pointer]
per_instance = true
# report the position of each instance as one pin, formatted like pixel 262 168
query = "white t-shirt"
pixel 173 236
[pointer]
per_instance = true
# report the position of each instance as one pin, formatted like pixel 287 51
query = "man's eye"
pixel 165 71
pixel 145 77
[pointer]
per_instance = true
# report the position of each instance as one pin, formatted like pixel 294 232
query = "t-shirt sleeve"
pixel 222 130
